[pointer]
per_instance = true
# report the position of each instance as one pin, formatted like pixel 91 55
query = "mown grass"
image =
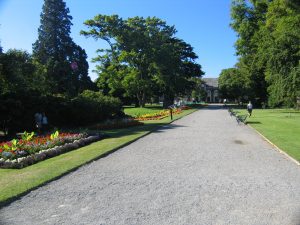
pixel 280 126
pixel 135 112
pixel 15 182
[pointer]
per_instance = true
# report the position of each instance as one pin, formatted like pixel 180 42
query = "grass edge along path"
pixel 15 183
pixel 275 146
pixel 276 130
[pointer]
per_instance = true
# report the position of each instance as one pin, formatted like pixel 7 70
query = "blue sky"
pixel 202 23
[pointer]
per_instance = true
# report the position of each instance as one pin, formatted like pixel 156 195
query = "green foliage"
pixel 17 72
pixel 136 112
pixel 281 126
pixel 198 92
pixel 98 106
pixel 27 136
pixel 176 69
pixel 144 58
pixel 268 45
pixel 282 64
pixel 65 65
pixel 89 107
pixel 54 135
pixel 233 85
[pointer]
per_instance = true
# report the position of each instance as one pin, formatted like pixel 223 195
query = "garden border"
pixel 267 140
pixel 29 160
pixel 275 146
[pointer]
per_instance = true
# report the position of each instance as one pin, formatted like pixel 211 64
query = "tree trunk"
pixel 168 100
pixel 141 98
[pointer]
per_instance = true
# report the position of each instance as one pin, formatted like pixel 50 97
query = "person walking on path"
pixel 249 108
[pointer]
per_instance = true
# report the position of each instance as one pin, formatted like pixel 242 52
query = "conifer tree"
pixel 55 49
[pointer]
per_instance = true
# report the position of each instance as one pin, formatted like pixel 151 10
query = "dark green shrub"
pixel 92 106
pixel 17 110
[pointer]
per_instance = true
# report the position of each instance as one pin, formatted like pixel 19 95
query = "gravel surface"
pixel 202 169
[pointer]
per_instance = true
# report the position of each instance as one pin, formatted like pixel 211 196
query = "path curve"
pixel 202 169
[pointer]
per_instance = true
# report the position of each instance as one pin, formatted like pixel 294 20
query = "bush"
pixel 89 107
pixel 92 106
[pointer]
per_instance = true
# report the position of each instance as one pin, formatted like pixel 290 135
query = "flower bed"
pixel 30 150
pixel 159 115
pixel 185 107
pixel 116 124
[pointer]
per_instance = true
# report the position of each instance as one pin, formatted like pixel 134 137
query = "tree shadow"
pixel 150 127
pixel 253 122
pixel 292 112
pixel 215 107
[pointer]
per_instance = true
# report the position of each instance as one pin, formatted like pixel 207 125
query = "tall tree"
pixel 17 72
pixel 268 45
pixel 56 50
pixel 234 85
pixel 281 50
pixel 138 46
pixel 248 16
pixel 176 68
pixel 133 43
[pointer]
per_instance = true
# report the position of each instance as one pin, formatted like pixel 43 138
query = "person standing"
pixel 44 122
pixel 249 108
pixel 224 102
pixel 38 121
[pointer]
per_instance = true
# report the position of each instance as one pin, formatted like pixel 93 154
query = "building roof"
pixel 212 82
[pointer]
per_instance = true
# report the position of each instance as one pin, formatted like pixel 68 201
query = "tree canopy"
pixel 144 58
pixel 268 47
pixel 64 62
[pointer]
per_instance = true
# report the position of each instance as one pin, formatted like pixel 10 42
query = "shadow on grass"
pixel 253 122
pixel 292 112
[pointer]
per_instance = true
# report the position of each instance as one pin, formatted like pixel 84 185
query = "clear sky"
pixel 202 23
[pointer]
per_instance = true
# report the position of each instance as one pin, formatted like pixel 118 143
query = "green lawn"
pixel 135 112
pixel 15 182
pixel 280 126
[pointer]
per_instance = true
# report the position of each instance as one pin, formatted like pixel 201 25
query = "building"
pixel 211 87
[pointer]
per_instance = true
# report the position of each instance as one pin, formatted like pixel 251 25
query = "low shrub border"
pixel 47 153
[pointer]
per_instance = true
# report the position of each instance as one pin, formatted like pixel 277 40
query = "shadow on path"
pixel 152 127
pixel 215 107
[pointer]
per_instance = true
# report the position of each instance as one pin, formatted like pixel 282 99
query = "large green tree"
pixel 18 73
pixel 248 16
pixel 234 85
pixel 134 44
pixel 268 46
pixel 138 46
pixel 280 49
pixel 176 68
pixel 64 62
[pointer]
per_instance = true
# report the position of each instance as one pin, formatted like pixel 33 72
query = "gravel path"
pixel 202 169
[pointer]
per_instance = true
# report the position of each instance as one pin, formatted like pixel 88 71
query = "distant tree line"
pixel 268 46
pixel 144 61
